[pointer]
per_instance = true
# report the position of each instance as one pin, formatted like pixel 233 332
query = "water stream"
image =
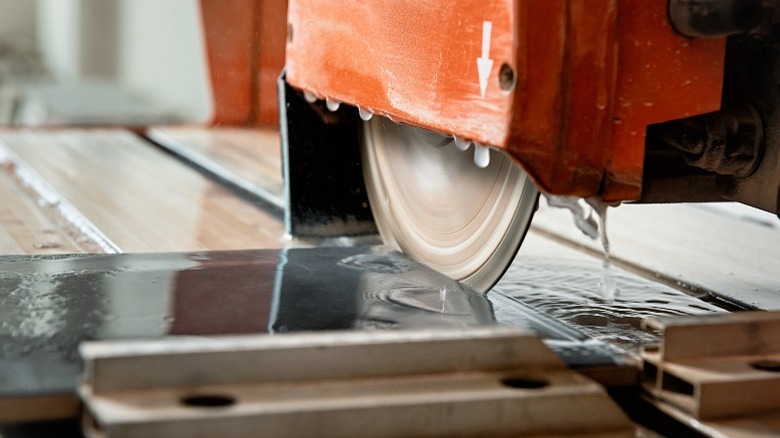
pixel 583 212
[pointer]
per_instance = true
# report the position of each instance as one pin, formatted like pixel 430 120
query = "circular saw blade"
pixel 433 203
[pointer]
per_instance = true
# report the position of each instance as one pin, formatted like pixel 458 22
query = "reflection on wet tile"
pixel 50 304
pixel 566 288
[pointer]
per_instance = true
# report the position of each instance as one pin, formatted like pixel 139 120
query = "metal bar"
pixel 323 176
pixel 481 381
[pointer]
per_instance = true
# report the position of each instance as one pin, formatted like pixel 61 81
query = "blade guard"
pixel 564 87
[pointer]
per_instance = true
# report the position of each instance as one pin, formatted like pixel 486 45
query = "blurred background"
pixel 102 62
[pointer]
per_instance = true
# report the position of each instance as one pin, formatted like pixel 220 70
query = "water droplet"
pixel 462 143
pixel 481 156
pixel 365 114
pixel 443 296
pixel 309 96
pixel 332 105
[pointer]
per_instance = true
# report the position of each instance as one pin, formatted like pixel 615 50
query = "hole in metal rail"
pixel 524 383
pixel 208 401
pixel 767 365
pixel 506 77
pixel 672 383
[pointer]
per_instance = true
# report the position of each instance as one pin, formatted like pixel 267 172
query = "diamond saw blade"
pixel 431 201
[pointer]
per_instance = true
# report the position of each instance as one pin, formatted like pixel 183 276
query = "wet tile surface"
pixel 50 304
pixel 562 284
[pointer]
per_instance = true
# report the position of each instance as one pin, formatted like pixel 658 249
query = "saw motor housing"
pixel 623 100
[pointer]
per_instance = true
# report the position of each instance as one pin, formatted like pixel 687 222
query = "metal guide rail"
pixel 490 381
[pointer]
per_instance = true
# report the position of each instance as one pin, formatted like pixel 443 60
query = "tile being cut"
pixel 51 304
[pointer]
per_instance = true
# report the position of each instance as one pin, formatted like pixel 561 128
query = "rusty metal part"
pixel 432 201
pixel 727 142
pixel 587 77
pixel 469 382
pixel 669 178
pixel 752 69
pixel 715 18
pixel 737 149
pixel 718 372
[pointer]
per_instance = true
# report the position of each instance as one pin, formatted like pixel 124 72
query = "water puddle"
pixel 562 287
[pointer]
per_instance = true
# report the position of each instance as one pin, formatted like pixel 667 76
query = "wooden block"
pixel 737 334
pixel 717 366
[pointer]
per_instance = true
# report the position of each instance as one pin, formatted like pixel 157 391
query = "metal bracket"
pixel 323 174
pixel 483 381
pixel 714 367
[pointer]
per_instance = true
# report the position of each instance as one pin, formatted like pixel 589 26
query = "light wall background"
pixel 153 48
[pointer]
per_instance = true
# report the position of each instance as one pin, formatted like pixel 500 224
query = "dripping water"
pixel 481 156
pixel 365 114
pixel 607 284
pixel 582 214
pixel 462 143
pixel 309 96
pixel 582 211
pixel 443 296
pixel 333 105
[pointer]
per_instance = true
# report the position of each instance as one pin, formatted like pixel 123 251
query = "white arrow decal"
pixel 484 63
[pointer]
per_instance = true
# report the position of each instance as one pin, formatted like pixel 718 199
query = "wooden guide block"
pixel 712 367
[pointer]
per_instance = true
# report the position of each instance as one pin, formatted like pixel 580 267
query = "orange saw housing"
pixel 565 87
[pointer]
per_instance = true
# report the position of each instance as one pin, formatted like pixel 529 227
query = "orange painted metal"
pixel 590 76
pixel 245 44
pixel 271 38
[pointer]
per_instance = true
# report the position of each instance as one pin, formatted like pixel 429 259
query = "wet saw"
pixel 436 121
